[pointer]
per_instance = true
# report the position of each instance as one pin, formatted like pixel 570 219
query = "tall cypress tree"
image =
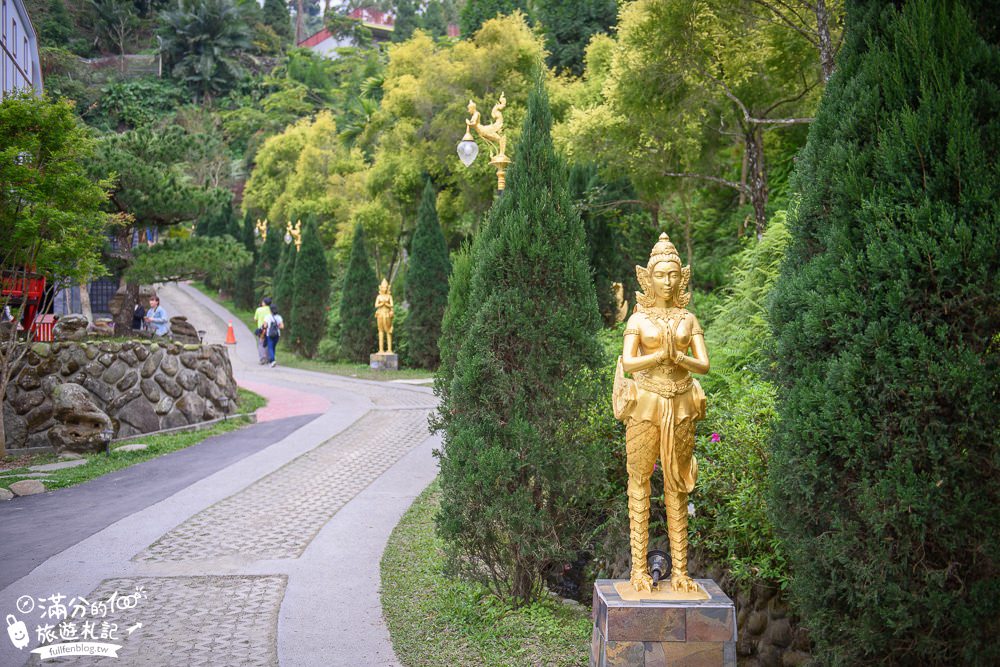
pixel 243 290
pixel 284 285
pixel 267 263
pixel 311 293
pixel 517 485
pixel 884 472
pixel 275 14
pixel 426 283
pixel 358 331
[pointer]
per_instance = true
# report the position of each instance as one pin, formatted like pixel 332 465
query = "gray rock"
pixel 28 379
pixel 91 351
pixel 140 415
pixel 27 487
pixel 170 365
pixel 5 494
pixel 189 360
pixel 174 419
pixel 127 356
pixel 128 380
pixel 779 632
pixel 94 369
pixel 70 327
pixel 74 358
pixel 165 405
pixel 41 349
pixel 168 385
pixel 26 400
pixel 70 456
pixel 121 399
pixel 15 428
pixel 102 327
pixel 116 371
pixel 152 361
pixel 106 359
pixel 39 415
pixel 187 379
pixel 756 623
pixel 136 447
pixel 81 423
pixel 150 390
pixel 141 352
pixel 182 331
pixel 111 347
pixel 99 389
pixel 192 406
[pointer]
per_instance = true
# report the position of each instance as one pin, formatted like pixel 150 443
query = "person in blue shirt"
pixel 156 317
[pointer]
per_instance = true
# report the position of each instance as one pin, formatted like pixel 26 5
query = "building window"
pixel 14 41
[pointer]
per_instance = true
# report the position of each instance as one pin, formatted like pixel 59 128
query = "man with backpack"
pixel 259 316
pixel 271 332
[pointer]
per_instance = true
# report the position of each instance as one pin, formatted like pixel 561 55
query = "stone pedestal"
pixel 662 633
pixel 384 361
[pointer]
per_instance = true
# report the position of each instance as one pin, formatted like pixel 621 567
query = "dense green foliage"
pixel 311 294
pixel 568 26
pixel 884 470
pixel 426 284
pixel 519 488
pixel 51 214
pixel 477 12
pixel 243 288
pixel 202 43
pixel 358 331
pixel 195 257
pixel 275 15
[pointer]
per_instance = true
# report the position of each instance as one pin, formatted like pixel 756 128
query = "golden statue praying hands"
pixel 660 406
pixel 384 313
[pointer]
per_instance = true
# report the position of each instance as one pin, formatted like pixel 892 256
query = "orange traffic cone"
pixel 230 335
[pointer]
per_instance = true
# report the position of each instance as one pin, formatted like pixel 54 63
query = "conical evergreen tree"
pixel 312 293
pixel 358 331
pixel 284 286
pixel 243 290
pixel 884 472
pixel 517 485
pixel 267 263
pixel 275 14
pixel 426 283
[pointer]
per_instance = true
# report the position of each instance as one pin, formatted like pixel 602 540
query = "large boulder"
pixel 81 424
pixel 182 331
pixel 70 327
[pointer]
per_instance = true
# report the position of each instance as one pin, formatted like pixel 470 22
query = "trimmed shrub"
pixel 311 293
pixel 358 330
pixel 426 284
pixel 884 481
pixel 243 289
pixel 284 286
pixel 520 486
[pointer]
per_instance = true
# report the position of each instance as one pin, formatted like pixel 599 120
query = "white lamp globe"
pixel 467 151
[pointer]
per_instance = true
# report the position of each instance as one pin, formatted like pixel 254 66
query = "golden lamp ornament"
pixel 660 404
pixel 492 134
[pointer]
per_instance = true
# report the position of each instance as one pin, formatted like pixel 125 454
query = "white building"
pixel 19 64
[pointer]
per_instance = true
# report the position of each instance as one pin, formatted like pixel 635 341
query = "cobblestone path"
pixel 219 573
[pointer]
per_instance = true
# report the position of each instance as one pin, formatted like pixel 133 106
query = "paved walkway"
pixel 261 554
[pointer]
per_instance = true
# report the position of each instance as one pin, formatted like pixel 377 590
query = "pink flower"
pixel 656 466
pixel 716 437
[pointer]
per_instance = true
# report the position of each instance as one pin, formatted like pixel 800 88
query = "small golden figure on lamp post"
pixel 384 314
pixel 260 229
pixel 294 233
pixel 492 134
pixel 663 345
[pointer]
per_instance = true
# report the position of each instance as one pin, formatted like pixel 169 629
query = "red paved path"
pixel 283 402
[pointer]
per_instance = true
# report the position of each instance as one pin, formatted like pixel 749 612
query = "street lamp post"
pixel 294 232
pixel 492 134
pixel 260 229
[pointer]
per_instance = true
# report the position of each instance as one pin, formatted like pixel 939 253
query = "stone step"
pixel 59 465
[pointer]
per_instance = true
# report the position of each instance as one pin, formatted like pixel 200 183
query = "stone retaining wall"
pixel 142 386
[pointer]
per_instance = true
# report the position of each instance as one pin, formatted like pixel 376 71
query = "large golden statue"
pixel 383 317
pixel 660 406
pixel 492 134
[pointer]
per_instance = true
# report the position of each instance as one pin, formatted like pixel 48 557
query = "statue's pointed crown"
pixel 663 251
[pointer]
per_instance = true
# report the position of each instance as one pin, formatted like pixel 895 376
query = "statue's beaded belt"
pixel 663 387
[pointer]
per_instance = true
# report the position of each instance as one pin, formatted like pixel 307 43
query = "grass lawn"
pixel 435 620
pixel 292 360
pixel 101 464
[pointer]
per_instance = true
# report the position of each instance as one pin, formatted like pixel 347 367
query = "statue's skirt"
pixel 675 413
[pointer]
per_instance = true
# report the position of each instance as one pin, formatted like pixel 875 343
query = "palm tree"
pixel 202 42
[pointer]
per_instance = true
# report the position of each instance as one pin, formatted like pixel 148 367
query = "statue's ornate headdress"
pixel 384 286
pixel 663 251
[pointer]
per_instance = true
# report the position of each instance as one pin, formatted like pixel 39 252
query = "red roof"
pixel 316 38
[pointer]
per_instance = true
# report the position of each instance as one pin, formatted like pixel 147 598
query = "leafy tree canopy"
pixel 191 258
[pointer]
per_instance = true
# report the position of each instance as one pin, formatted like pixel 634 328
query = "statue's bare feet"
pixel 641 581
pixel 682 583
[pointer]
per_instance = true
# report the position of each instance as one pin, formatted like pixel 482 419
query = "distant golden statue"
pixel 621 305
pixel 660 406
pixel 383 317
